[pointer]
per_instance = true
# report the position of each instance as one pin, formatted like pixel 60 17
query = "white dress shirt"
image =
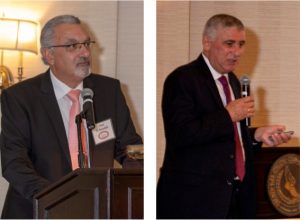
pixel 61 90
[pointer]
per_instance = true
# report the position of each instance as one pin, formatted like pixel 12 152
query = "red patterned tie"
pixel 239 159
pixel 73 138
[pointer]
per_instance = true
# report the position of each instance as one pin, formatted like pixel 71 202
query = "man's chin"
pixel 231 68
pixel 83 73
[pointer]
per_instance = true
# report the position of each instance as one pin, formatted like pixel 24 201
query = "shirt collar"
pixel 60 88
pixel 216 75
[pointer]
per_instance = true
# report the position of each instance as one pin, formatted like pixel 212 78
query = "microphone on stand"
pixel 245 83
pixel 88 108
pixel 88 114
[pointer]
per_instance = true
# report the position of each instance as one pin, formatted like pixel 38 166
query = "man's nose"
pixel 84 50
pixel 238 50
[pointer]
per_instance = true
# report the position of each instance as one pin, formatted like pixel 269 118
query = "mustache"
pixel 83 60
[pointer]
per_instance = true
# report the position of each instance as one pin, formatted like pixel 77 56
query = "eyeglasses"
pixel 75 46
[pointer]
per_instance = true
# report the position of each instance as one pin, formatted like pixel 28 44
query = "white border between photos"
pixel 150 109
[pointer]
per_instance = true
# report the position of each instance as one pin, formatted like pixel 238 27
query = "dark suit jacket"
pixel 34 145
pixel 198 169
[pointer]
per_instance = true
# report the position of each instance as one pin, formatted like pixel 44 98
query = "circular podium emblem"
pixel 284 185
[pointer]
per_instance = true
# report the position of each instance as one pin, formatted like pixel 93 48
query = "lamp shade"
pixel 16 34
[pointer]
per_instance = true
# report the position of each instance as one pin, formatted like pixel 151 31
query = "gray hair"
pixel 221 20
pixel 47 33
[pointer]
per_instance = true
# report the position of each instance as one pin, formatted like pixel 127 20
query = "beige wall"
pixel 272 57
pixel 117 28
pixel 172 44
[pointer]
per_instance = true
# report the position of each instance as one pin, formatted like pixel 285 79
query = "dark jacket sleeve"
pixel 17 167
pixel 191 116
pixel 125 130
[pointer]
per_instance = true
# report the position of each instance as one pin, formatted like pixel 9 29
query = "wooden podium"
pixel 93 194
pixel 263 161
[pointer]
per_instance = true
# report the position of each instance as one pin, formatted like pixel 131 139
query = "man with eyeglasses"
pixel 35 117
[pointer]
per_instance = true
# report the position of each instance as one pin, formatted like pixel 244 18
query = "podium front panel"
pixel 263 162
pixel 93 194
pixel 127 195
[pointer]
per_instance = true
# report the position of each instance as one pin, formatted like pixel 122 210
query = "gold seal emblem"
pixel 284 185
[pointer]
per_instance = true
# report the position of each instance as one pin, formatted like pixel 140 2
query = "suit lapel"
pixel 210 82
pixel 234 86
pixel 52 109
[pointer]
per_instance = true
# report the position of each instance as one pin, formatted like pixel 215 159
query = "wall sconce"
pixel 19 35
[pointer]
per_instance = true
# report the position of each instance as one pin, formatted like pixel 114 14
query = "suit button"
pixel 229 183
pixel 231 156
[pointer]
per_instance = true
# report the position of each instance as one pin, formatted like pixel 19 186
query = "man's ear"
pixel 206 43
pixel 47 54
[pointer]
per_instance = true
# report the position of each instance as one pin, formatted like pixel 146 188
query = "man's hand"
pixel 240 109
pixel 272 135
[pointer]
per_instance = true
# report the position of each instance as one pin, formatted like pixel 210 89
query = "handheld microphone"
pixel 88 109
pixel 245 83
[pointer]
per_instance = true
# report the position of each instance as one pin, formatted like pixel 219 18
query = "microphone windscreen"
pixel 245 80
pixel 87 92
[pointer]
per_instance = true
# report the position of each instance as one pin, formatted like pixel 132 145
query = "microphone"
pixel 245 82
pixel 88 109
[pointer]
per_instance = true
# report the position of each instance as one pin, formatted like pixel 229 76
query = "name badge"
pixel 103 132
